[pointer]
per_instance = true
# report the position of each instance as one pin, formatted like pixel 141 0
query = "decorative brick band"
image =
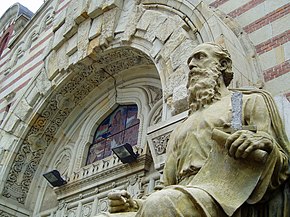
pixel 237 12
pixel 217 3
pixel 269 18
pixel 273 42
pixel 42 41
pixel 2 64
pixel 23 65
pixel 277 71
pixel 63 7
pixel 15 90
pixel 21 76
pixel 4 55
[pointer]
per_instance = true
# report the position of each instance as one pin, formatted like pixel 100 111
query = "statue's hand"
pixel 243 142
pixel 121 201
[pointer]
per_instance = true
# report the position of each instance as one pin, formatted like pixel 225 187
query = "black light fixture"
pixel 54 178
pixel 125 153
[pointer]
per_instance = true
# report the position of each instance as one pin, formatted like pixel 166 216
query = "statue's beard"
pixel 203 88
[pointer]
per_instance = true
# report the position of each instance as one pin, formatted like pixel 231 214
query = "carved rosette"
pixel 60 104
pixel 103 206
pixel 160 143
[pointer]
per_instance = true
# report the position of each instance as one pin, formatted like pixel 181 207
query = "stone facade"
pixel 66 68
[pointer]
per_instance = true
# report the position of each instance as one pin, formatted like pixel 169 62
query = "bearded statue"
pixel 205 176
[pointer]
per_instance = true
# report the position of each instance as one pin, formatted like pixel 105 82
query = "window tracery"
pixel 120 127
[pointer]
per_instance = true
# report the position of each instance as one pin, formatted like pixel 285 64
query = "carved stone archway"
pixel 94 41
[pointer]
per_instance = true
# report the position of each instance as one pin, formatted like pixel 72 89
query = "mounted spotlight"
pixel 54 178
pixel 125 153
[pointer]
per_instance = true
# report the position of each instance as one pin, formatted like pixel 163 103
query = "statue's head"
pixel 209 55
pixel 210 69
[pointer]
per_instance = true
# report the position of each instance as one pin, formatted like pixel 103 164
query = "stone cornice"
pixel 99 182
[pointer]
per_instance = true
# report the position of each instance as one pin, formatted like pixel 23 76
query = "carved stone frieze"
pixel 82 80
pixel 160 143
pixel 87 210
pixel 65 101
pixel 36 141
pixel 103 205
pixel 135 186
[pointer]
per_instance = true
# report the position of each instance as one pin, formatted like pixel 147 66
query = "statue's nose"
pixel 192 65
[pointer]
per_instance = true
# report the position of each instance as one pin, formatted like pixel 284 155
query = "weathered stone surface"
pixel 96 27
pixel 167 28
pixel 72 45
pixel 135 16
pixel 179 99
pixel 33 95
pixel 155 26
pixel 62 58
pixel 157 45
pixel 126 14
pixel 180 55
pixel 59 20
pixel 98 7
pixel 82 13
pixel 12 123
pixel 93 46
pixel 59 39
pixel 51 65
pixel 24 110
pixel 95 8
pixel 43 84
pixel 83 38
pixel 177 37
pixel 110 19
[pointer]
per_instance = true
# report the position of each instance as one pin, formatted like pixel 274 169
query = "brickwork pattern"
pixel 268 18
pixel 237 12
pixel 277 71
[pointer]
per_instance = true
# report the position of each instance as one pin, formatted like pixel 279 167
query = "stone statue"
pixel 212 175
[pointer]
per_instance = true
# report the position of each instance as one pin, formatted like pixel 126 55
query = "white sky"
pixel 32 5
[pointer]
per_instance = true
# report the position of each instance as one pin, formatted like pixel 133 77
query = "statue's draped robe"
pixel 188 150
pixel 191 143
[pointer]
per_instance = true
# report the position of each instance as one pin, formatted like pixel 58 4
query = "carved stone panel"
pixel 158 136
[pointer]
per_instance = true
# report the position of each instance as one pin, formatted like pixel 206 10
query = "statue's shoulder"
pixel 252 93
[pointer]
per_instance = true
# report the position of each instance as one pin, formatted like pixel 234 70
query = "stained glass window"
pixel 120 127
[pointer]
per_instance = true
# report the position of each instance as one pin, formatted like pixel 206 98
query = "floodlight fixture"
pixel 125 153
pixel 54 178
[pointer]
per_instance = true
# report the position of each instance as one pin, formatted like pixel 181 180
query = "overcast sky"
pixel 32 5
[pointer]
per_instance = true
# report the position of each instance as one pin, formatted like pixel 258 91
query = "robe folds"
pixel 200 179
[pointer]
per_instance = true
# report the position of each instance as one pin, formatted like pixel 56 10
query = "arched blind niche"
pixel 120 127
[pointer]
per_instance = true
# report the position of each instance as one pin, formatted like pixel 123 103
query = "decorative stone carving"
pixel 157 116
pixel 63 162
pixel 103 205
pixel 82 81
pixel 134 186
pixel 36 142
pixel 65 101
pixel 160 143
pixel 206 157
pixel 155 94
pixel 72 213
pixel 87 210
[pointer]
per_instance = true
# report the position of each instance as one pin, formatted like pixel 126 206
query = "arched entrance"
pixel 103 55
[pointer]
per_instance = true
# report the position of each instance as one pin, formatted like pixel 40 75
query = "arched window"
pixel 120 127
